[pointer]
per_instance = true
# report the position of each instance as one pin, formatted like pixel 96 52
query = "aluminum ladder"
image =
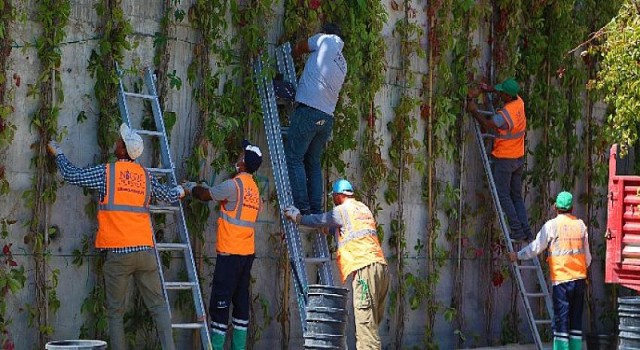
pixel 517 269
pixel 273 130
pixel 166 170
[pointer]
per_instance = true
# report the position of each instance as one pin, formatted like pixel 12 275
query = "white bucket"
pixel 76 345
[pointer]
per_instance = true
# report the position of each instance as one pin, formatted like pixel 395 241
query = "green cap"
pixel 509 86
pixel 564 201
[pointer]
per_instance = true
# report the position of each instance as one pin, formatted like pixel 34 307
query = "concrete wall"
pixel 80 146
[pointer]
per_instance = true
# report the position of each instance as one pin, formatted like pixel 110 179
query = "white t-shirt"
pixel 323 74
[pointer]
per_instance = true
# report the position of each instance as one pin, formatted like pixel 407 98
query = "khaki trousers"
pixel 370 286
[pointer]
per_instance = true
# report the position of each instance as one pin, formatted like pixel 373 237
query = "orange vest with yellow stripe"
pixel 567 255
pixel 236 227
pixel 509 143
pixel 123 213
pixel 358 244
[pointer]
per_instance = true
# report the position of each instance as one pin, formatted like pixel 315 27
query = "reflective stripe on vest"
pixel 358 244
pixel 123 215
pixel 567 259
pixel 236 227
pixel 509 143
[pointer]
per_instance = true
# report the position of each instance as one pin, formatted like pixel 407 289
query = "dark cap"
pixel 252 156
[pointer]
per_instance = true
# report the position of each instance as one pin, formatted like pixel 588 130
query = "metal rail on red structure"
pixel 623 227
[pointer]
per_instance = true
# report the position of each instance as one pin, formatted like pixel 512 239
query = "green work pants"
pixel 119 269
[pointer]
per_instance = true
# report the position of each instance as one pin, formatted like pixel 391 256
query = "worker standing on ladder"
pixel 359 256
pixel 510 125
pixel 567 239
pixel 240 204
pixel 312 120
pixel 124 231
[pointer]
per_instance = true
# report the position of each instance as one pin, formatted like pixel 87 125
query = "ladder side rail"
pixel 290 74
pixel 321 250
pixel 283 179
pixel 542 281
pixel 165 152
pixel 273 138
pixel 124 114
pixel 181 221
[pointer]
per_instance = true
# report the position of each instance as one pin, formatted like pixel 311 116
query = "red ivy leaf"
pixel 497 279
pixel 12 263
pixel 314 4
pixel 394 5
pixel 6 250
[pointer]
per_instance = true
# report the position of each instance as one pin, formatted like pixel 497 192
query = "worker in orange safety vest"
pixel 509 124
pixel 359 256
pixel 567 241
pixel 240 205
pixel 125 234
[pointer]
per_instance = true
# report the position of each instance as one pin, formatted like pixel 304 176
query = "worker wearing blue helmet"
pixel 359 256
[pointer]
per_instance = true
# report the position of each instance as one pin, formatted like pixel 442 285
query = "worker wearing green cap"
pixel 566 238
pixel 509 124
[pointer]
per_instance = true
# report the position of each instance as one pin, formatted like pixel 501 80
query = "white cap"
pixel 132 141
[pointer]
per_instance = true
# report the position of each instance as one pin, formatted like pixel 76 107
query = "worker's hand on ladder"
pixel 188 186
pixel 513 256
pixel 293 214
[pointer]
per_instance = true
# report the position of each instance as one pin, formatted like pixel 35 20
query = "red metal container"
pixel 623 227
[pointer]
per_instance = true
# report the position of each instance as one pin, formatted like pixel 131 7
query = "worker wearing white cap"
pixel 124 231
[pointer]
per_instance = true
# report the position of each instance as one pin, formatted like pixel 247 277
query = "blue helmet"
pixel 342 186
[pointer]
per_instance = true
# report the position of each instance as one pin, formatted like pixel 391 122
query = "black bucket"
pixel 326 313
pixel 325 341
pixel 320 288
pixel 331 300
pixel 629 316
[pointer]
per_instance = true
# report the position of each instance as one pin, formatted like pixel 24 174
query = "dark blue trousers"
pixel 568 299
pixel 231 279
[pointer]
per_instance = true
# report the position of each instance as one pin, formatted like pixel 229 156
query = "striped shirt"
pixel 95 178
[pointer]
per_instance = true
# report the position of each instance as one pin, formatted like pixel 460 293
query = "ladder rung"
pixel 133 94
pixel 543 321
pixel 527 267
pixel 485 112
pixel 179 285
pixel 171 246
pixel 488 136
pixel 160 170
pixel 148 132
pixel 535 295
pixel 157 209
pixel 188 325
pixel 316 260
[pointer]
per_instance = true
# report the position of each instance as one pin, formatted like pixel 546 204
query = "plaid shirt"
pixel 95 178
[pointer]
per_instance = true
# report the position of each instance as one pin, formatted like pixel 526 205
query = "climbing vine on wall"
pixel 53 16
pixel 111 47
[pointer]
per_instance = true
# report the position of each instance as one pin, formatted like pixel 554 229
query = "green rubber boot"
pixel 560 343
pixel 575 343
pixel 217 340
pixel 239 339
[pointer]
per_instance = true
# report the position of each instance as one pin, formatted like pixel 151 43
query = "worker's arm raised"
pixel 472 108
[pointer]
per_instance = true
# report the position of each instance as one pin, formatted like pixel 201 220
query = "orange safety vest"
pixel 358 244
pixel 567 258
pixel 123 213
pixel 236 227
pixel 509 143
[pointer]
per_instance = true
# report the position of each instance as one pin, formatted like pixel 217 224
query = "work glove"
pixel 53 148
pixel 293 214
pixel 188 186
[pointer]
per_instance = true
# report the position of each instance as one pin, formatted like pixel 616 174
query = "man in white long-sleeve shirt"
pixel 567 240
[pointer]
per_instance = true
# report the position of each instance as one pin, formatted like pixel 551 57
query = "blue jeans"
pixel 568 298
pixel 507 173
pixel 307 137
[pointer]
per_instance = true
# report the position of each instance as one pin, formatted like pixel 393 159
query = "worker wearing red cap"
pixel 360 256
